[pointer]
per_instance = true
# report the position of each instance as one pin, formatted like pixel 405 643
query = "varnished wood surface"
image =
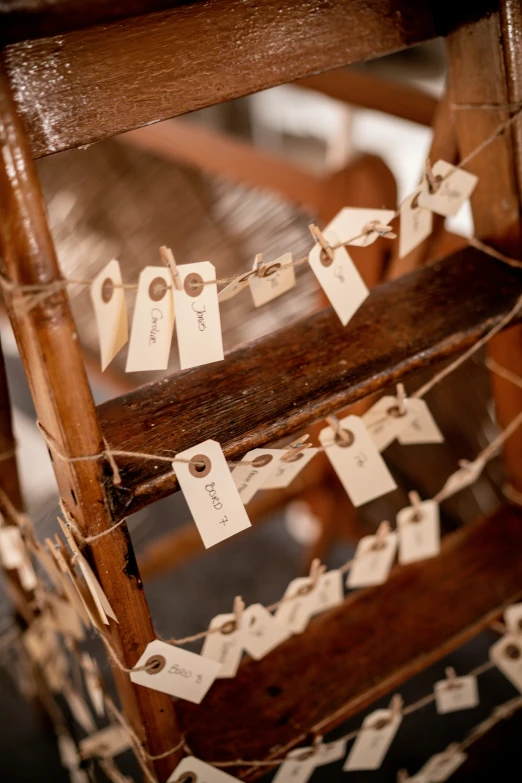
pixel 363 649
pixel 281 383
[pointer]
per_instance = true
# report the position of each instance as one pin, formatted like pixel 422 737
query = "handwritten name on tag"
pixel 288 469
pixel 298 767
pixel 106 743
pixel 373 560
pixel 91 675
pixel 361 469
pixel 192 770
pixel 419 532
pixel 416 224
pixel 458 693
pixel 377 733
pixel 175 671
pixel 110 311
pixel 513 618
pixel 304 601
pixel 385 420
pixel 456 186
pixel 466 475
pixel 442 766
pixel 249 478
pixel 12 550
pixel 278 278
pixel 224 646
pixel 198 323
pixel 421 427
pixel 350 224
pixel 153 321
pixel 210 492
pixel 339 279
pixel 506 654
pixel 261 631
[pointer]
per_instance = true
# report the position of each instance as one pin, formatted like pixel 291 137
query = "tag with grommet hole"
pixel 234 288
pixel 225 646
pixel 329 591
pixel 298 766
pixel 249 478
pixel 452 187
pixel 261 631
pixel 373 559
pixel 288 468
pixel 420 427
pixel 193 770
pixel 210 492
pixel 353 226
pixel 416 224
pixel 442 766
pixel 466 475
pixel 272 280
pixel 378 731
pixel 198 322
pixel 175 671
pixel 387 418
pixel 513 618
pixel 110 311
pixel 303 599
pixel 419 532
pixel 64 617
pixel 152 322
pixel 356 460
pixel 106 743
pixel 506 654
pixel 12 550
pixel 456 693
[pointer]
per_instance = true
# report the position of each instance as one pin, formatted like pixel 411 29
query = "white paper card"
pixel 106 743
pixel 234 288
pixel 506 654
pixel 153 321
pixel 416 224
pixel 328 752
pixel 110 311
pixel 27 575
pixel 371 566
pixel 466 475
pixel 12 550
pixel 198 323
pixel 66 619
pixel 328 592
pixel 91 675
pixel 419 538
pixel 382 422
pixel 295 770
pixel 225 648
pixel 361 469
pixel 513 618
pixel 456 187
pixel 202 773
pixel 287 471
pixel 370 747
pixel 460 693
pixel 421 427
pixel 80 710
pixel 350 223
pixel 249 478
pixel 442 766
pixel 340 280
pixel 261 631
pixel 183 674
pixel 296 612
pixel 275 283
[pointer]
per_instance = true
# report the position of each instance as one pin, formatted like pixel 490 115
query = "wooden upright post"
pixel 52 359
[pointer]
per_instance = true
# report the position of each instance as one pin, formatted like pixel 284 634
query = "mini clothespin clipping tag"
pixel 106 743
pixel 295 457
pixel 388 417
pixel 455 693
pixel 300 600
pixel 446 188
pixel 377 733
pixel 110 311
pixel 225 642
pixel 442 766
pixel 193 770
pixel 419 530
pixel 262 632
pixel 373 558
pixel 252 477
pixel 272 280
pixel 361 227
pixel 153 321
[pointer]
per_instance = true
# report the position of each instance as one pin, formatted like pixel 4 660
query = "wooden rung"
pixel 363 649
pixel 281 383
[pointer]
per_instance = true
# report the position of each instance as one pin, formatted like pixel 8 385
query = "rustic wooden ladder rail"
pixel 88 82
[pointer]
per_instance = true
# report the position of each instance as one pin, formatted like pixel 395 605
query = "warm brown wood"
pixel 372 92
pixel 496 202
pixel 86 85
pixel 52 359
pixel 298 375
pixel 363 649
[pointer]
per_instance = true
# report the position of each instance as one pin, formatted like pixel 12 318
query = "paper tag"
pixel 67 750
pixel 261 631
pixel 377 733
pixel 80 710
pixel 12 550
pixel 110 311
pixel 298 767
pixel 328 752
pixel 421 427
pixel 298 607
pixel 506 654
pixel 201 773
pixel 371 566
pixel 153 321
pixel 224 647
pixel 249 478
pixel 339 279
pixel 49 565
pixel 459 693
pixel 361 469
pixel 198 323
pixel 462 478
pixel 40 640
pixel 91 675
pixel 287 470
pixel 65 617
pixel 278 279
pixel 234 288
pixel 27 575
pixel 513 618
pixel 442 766
pixel 56 671
pixel 416 224
pixel 179 672
pixel 106 743
pixel 454 189
pixel 384 422
pixel 329 591
pixel 419 532
pixel 211 494
pixel 350 223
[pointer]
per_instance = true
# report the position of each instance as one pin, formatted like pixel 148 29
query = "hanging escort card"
pixel 272 280
pixel 420 427
pixel 110 311
pixel 419 532
pixel 12 550
pixel 153 321
pixel 453 187
pixel 466 475
pixel 192 770
pixel 456 693
pixel 386 419
pixel 416 224
pixel 249 478
pixel 352 225
pixel 298 767
pixel 442 766
pixel 373 559
pixel 506 654
pixel 27 575
pixel 261 632
pixel 91 675
pixel 198 323
pixel 210 492
pixel 65 617
pixel 361 469
pixel 305 600
pixel 338 277
pixel 328 591
pixel 79 710
pixel 106 743
pixel 328 752
pixel 377 733
pixel 175 671
pixel 288 468
pixel 513 618
pixel 234 288
pixel 224 646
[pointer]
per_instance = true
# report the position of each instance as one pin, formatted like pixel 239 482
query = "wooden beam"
pixel 363 649
pixel 283 382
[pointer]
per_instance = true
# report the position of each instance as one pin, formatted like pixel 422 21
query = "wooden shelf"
pixel 283 382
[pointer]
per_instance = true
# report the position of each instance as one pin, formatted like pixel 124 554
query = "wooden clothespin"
pixel 316 571
pixel 402 776
pixel 451 677
pixel 376 227
pixel 415 503
pixel 341 435
pixel 295 448
pixel 327 251
pixel 401 397
pixel 432 181
pixel 396 705
pixel 239 608
pixel 167 256
pixel 259 268
pixel 382 533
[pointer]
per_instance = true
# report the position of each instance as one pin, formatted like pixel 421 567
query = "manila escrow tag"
pixel 298 767
pixel 456 693
pixel 377 733
pixel 198 322
pixel 249 478
pixel 421 427
pixel 110 311
pixel 419 532
pixel 416 224
pixel 384 420
pixel 278 278
pixel 224 646
pixel 455 187
pixel 304 601
pixel 192 770
pixel 261 631
pixel 153 321
pixel 106 743
pixel 372 561
pixel 466 475
pixel 288 468
pixel 351 224
pixel 442 766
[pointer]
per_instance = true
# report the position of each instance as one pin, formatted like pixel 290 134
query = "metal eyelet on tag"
pixel 228 627
pixel 155 664
pixel 107 290
pixel 262 460
pixel 193 284
pixel 157 289
pixel 200 466
pixel 292 457
pixel 346 441
pixel 512 651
